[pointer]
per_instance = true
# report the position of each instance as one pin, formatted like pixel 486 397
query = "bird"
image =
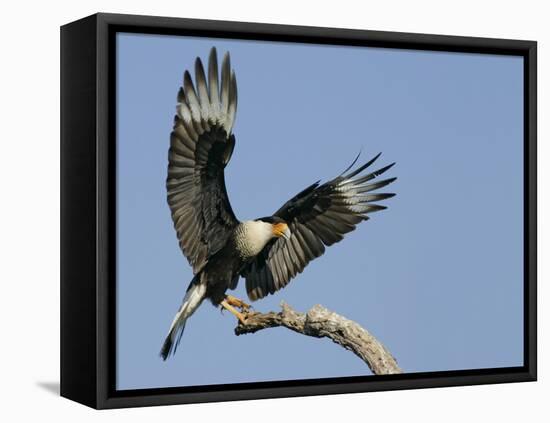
pixel 267 252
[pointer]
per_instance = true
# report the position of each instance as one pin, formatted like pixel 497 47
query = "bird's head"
pixel 279 228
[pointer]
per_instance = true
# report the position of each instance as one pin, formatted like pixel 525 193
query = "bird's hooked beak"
pixel 281 230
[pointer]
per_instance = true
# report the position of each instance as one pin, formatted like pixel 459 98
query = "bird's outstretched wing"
pixel 318 216
pixel 201 145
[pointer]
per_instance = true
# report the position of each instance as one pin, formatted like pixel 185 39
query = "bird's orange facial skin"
pixel 280 229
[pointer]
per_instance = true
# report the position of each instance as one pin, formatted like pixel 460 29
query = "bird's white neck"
pixel 252 236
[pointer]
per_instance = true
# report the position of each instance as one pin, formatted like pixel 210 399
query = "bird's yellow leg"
pixel 236 302
pixel 230 308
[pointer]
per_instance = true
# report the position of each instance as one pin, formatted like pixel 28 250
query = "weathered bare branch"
pixel 320 322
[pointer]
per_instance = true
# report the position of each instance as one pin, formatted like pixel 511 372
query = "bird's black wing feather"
pixel 318 216
pixel 201 145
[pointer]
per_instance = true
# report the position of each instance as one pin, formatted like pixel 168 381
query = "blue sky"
pixel 437 277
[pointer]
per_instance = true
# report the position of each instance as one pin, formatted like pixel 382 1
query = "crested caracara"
pixel 267 252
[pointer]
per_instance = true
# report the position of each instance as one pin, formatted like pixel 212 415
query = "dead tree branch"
pixel 320 322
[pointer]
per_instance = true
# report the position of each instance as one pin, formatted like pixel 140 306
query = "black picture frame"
pixel 88 210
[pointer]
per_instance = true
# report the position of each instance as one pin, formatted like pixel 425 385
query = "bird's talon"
pixel 236 302
pixel 245 307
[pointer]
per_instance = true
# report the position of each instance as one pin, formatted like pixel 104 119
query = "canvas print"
pixel 291 211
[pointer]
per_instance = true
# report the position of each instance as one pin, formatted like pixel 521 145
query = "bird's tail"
pixel 193 298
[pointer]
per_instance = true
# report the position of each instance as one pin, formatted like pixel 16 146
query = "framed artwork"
pixel 257 211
